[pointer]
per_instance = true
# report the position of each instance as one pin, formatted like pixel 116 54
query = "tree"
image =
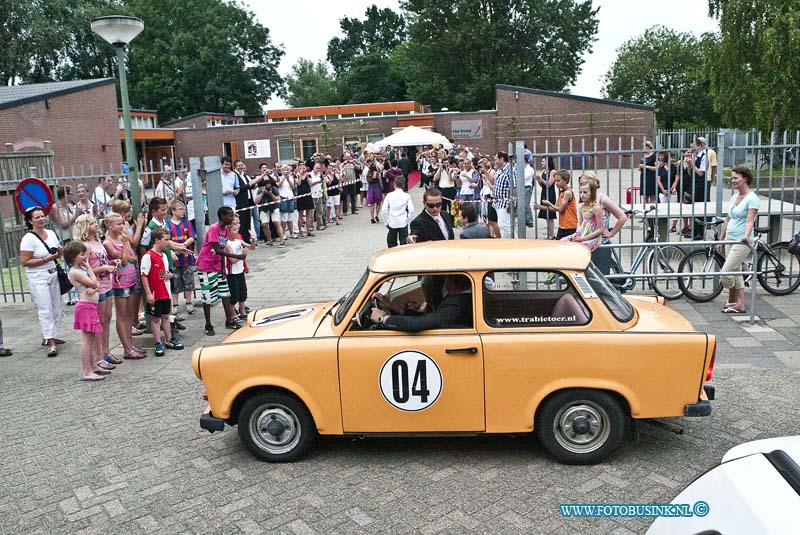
pixel 310 84
pixel 664 69
pixel 363 59
pixel 755 73
pixel 44 40
pixel 195 55
pixel 201 55
pixel 457 51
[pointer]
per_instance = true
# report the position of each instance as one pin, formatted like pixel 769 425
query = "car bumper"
pixel 211 423
pixel 702 407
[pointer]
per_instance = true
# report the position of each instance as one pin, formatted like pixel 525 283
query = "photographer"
pixel 270 215
pixel 443 179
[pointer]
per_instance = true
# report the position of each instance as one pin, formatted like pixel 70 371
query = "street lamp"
pixel 119 31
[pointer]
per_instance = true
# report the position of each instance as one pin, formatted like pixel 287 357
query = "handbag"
pixel 687 198
pixel 64 285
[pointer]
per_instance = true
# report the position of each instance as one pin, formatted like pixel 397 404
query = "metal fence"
pixel 697 199
pixel 68 190
pixel 616 162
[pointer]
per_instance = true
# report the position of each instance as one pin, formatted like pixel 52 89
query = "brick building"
pixel 78 118
pixel 548 122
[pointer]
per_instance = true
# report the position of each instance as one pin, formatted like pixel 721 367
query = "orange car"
pixel 500 336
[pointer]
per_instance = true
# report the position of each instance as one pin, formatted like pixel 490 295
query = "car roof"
pixel 483 254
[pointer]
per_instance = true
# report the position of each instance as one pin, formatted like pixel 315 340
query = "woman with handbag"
pixel 39 250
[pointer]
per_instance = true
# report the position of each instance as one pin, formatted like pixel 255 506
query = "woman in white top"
pixel 443 178
pixel 39 249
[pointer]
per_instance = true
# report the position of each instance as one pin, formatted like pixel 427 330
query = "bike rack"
pixel 693 244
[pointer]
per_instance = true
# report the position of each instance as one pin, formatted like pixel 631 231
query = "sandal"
pixel 111 359
pixel 52 351
pixel 732 310
pixel 5 352
pixel 103 365
pixel 134 355
pixel 136 332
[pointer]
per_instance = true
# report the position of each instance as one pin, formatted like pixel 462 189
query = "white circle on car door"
pixel 410 381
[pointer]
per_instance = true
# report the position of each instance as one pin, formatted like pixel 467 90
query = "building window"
pixel 351 143
pixel 309 148
pixel 331 117
pixel 347 115
pixel 372 138
pixel 285 150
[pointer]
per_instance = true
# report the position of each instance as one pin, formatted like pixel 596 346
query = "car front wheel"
pixel 276 427
pixel 580 426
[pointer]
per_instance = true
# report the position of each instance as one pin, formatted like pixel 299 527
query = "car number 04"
pixel 411 381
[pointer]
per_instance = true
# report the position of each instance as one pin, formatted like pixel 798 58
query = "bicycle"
pixel 660 259
pixel 777 270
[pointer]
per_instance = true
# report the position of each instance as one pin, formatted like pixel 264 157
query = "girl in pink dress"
pixel 86 231
pixel 590 215
pixel 87 315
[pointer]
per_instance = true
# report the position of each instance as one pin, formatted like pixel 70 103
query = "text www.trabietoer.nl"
pixel 537 319
pixel 699 508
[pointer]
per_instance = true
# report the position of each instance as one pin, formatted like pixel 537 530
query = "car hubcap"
pixel 581 427
pixel 275 429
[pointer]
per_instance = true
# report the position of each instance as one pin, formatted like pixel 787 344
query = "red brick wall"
pixel 82 127
pixel 541 118
pixel 201 142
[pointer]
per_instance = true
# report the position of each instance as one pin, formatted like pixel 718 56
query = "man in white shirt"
pixel 169 187
pixel 529 174
pixel 396 212
pixel 315 181
pixel 103 195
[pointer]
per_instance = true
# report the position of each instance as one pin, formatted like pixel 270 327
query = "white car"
pixel 755 489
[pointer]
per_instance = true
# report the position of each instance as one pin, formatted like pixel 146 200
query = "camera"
pixel 52 250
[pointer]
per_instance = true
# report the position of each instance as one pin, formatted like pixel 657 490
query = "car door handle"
pixel 462 350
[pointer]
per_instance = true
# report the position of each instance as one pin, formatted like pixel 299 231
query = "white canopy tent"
pixel 411 136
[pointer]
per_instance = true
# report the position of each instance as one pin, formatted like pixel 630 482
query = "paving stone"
pixel 743 341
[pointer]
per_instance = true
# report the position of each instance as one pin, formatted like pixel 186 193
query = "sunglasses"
pixel 434 205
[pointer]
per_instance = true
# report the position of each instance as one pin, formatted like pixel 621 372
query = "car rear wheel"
pixel 580 426
pixel 276 427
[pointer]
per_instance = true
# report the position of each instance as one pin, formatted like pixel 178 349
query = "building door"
pixel 231 148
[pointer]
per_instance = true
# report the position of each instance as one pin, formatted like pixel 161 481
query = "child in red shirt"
pixel 155 273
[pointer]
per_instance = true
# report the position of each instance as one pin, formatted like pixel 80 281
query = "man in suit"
pixel 455 310
pixel 432 224
pixel 405 165
pixel 470 228
pixel 244 199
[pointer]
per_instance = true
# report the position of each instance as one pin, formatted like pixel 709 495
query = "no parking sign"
pixel 33 193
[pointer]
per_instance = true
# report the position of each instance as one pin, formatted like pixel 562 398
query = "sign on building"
pixel 258 148
pixel 467 129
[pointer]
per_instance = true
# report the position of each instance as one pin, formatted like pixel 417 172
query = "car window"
pixel 532 299
pixel 348 301
pixel 608 294
pixel 422 296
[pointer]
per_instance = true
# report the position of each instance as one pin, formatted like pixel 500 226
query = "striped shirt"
pixel 503 182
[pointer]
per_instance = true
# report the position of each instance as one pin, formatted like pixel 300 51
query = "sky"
pixel 304 28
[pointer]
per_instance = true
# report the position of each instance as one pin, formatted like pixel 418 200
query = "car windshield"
pixel 616 304
pixel 350 297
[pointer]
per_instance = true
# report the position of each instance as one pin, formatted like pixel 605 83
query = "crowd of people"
pixel 140 268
